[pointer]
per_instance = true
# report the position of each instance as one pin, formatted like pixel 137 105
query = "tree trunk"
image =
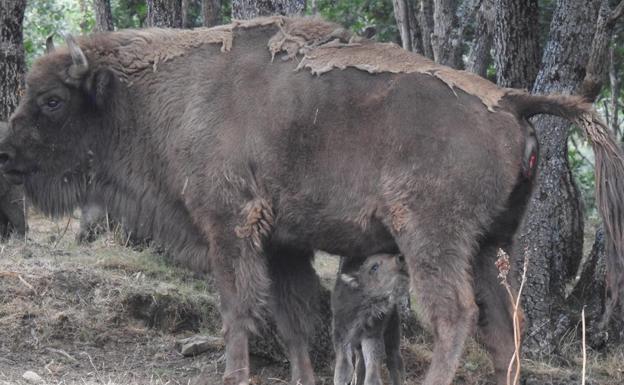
pixel 425 19
pixel 12 65
pixel 479 58
pixel 516 42
pixel 103 15
pixel 164 13
pixel 211 12
pixel 552 231
pixel 615 62
pixel 446 39
pixel 405 16
pixel 248 9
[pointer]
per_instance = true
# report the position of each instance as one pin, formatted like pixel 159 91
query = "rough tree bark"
pixel 12 63
pixel 248 9
pixel 164 13
pixel 406 19
pixel 552 232
pixel 479 58
pixel 516 42
pixel 425 20
pixel 446 39
pixel 103 15
pixel 211 12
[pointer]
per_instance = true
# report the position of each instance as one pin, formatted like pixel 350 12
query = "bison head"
pixel 57 128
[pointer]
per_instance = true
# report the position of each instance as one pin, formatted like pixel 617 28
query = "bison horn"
pixel 80 65
pixel 50 44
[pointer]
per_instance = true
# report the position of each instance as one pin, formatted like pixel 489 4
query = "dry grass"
pixel 108 315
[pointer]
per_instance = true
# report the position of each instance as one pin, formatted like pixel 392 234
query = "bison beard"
pixel 200 138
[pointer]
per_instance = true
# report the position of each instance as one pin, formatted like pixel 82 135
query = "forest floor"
pixel 109 315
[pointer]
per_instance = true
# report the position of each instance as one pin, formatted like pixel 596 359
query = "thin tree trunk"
pixel 446 39
pixel 516 42
pixel 12 65
pixel 552 232
pixel 248 9
pixel 211 12
pixel 103 15
pixel 480 58
pixel 164 13
pixel 595 73
pixel 425 19
pixel 406 19
pixel 615 62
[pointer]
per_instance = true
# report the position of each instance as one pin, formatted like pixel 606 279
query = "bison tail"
pixel 609 177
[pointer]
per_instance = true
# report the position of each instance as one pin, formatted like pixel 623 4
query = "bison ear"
pixel 350 280
pixel 100 85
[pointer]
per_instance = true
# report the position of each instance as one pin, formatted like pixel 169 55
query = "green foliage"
pixel 44 18
pixel 129 13
pixel 359 14
pixel 581 161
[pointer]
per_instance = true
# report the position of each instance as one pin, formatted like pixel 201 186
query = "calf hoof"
pixel 235 380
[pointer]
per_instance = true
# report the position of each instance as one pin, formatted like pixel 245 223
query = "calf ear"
pixel 350 280
pixel 100 86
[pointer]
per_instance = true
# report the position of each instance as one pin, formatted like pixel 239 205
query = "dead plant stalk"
pixel 503 265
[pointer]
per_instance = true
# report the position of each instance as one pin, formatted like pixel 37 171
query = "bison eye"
pixel 53 103
pixel 374 268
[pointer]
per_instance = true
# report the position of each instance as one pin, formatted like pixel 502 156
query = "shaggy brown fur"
pixel 185 135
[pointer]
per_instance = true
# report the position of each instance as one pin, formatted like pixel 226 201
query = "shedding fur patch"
pixel 324 46
pixel 258 223
pixel 399 213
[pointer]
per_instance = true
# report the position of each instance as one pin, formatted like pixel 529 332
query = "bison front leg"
pixel 294 297
pixel 495 326
pixel 438 257
pixel 240 270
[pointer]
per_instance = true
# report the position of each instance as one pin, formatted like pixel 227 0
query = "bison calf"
pixel 12 219
pixel 366 319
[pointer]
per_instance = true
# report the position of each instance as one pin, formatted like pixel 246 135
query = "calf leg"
pixel 360 368
pixel 372 351
pixel 495 326
pixel 12 206
pixel 295 302
pixel 343 372
pixel 392 341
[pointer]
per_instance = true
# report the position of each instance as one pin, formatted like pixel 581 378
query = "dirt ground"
pixel 109 315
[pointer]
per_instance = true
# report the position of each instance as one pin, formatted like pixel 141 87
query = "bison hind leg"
pixel 495 326
pixel 438 256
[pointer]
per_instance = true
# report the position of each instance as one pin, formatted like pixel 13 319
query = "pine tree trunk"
pixel 405 16
pixel 103 15
pixel 164 13
pixel 479 58
pixel 552 232
pixel 248 9
pixel 12 65
pixel 516 42
pixel 446 39
pixel 211 12
pixel 425 20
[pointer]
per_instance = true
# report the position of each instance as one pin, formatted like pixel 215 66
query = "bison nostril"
pixel 4 158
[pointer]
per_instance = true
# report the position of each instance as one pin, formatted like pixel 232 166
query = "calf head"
pixel 379 276
pixel 52 136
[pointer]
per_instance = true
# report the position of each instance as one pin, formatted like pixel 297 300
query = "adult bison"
pixel 216 141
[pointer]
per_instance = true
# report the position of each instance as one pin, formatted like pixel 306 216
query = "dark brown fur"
pixel 182 138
